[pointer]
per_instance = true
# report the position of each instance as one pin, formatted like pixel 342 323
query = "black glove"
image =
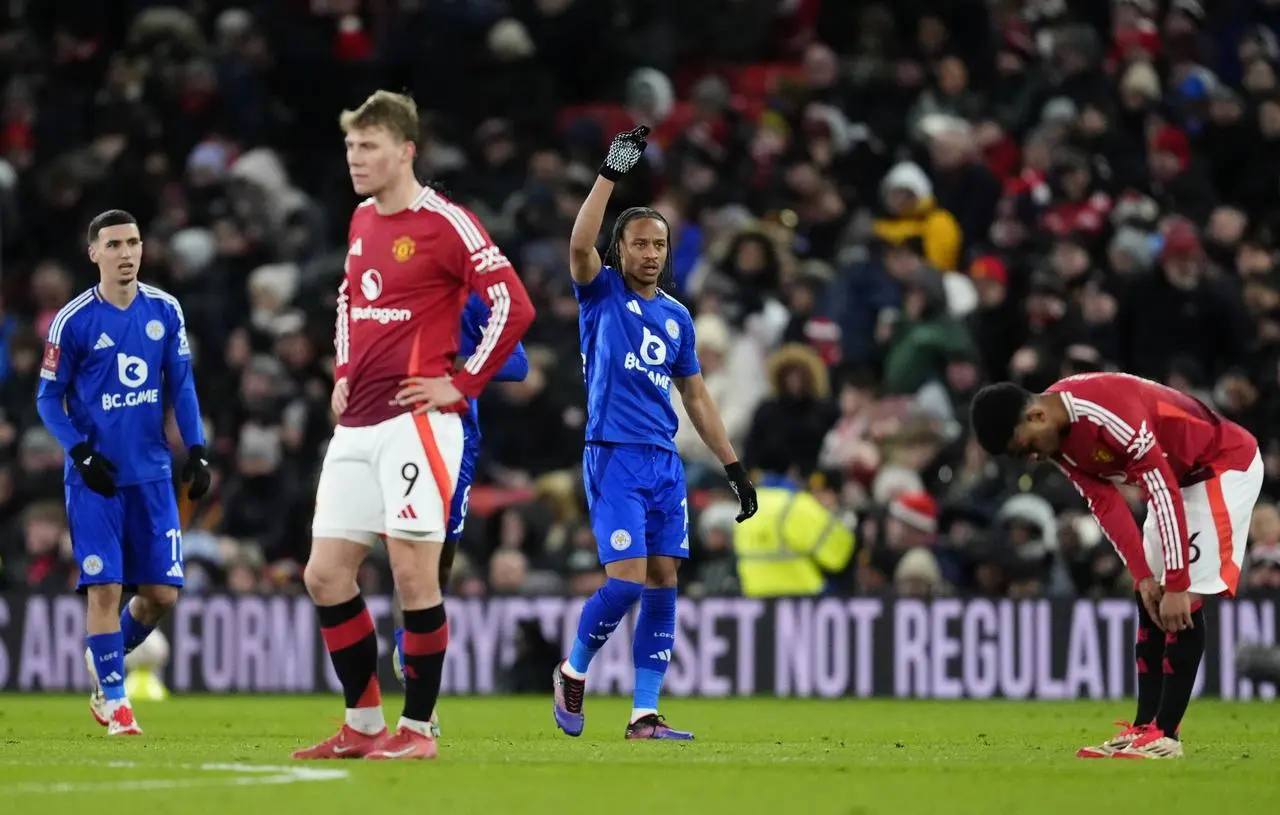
pixel 98 472
pixel 624 153
pixel 743 488
pixel 196 470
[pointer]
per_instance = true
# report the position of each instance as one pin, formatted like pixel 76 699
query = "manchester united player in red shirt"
pixel 392 465
pixel 1201 475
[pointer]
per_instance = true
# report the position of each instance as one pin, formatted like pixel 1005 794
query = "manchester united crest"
pixel 1103 456
pixel 403 248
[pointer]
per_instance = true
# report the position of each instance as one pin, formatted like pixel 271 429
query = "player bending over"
pixel 1201 475
pixel 392 466
pixel 636 341
pixel 474 318
pixel 116 356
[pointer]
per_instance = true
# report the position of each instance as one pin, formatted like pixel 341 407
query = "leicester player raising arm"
pixel 636 342
pixel 116 356
pixel 392 467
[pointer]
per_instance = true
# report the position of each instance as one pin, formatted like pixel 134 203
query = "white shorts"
pixel 395 478
pixel 1219 512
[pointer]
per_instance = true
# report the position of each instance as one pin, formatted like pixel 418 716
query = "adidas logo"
pixel 174 571
pixel 634 307
pixel 407 514
pixel 112 678
pixel 662 656
pixel 103 342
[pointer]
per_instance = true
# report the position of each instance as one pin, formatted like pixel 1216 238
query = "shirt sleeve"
pixel 180 381
pixel 1151 469
pixel 686 363
pixel 474 318
pixel 57 373
pixel 489 274
pixel 342 329
pixel 1112 513
pixel 598 288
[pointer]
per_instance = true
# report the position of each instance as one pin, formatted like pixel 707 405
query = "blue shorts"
pixel 133 539
pixel 638 502
pixel 462 493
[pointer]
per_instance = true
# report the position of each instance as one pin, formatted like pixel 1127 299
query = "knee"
pixel 104 599
pixel 161 599
pixel 416 587
pixel 415 565
pixel 662 573
pixel 327 584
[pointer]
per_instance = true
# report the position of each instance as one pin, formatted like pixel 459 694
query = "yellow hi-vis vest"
pixel 790 545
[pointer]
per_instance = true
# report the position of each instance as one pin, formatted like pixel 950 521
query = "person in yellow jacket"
pixel 793 544
pixel 913 213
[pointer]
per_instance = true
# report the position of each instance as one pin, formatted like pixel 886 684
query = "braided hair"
pixel 612 257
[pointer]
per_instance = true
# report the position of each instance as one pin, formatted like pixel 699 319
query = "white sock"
pixel 422 728
pixel 638 713
pixel 568 671
pixel 366 720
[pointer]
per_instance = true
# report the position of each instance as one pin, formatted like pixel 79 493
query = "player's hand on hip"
pixel 196 470
pixel 1151 592
pixel 743 488
pixel 431 393
pixel 1175 611
pixel 624 153
pixel 338 401
pixel 98 472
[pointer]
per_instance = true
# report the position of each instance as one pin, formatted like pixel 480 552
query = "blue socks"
pixel 600 616
pixel 133 631
pixel 651 650
pixel 108 660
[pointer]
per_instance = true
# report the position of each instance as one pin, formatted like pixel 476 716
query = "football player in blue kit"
pixel 636 342
pixel 116 358
pixel 475 316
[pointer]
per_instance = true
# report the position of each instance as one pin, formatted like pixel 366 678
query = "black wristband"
pixel 81 451
pixel 735 471
pixel 197 451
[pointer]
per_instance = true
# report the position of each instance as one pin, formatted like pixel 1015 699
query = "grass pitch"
pixel 230 755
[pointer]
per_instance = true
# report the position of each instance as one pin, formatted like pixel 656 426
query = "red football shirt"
pixel 407 277
pixel 1129 430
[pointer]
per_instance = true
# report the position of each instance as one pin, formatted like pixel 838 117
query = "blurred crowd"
pixel 876 207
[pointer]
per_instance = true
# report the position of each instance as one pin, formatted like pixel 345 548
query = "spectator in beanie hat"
pixel 916 514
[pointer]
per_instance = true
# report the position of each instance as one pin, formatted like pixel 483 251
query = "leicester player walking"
pixel 116 357
pixel 636 342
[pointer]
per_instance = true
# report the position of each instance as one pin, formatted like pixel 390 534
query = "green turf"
pixel 503 756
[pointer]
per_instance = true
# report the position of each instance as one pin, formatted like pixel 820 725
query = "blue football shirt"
pixel 108 375
pixel 631 350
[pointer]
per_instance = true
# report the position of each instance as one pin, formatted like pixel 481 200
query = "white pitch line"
pixel 249 775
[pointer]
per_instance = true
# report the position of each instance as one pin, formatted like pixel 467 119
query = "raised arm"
pixel 584 259
pixel 624 153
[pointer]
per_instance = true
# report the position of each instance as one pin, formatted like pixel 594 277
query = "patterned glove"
pixel 98 472
pixel 624 153
pixel 743 488
pixel 196 470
